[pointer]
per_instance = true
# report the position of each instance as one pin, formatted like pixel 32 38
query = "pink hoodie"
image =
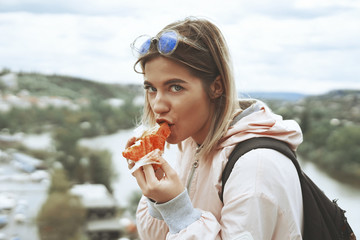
pixel 262 198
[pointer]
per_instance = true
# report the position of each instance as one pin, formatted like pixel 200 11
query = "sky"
pixel 304 46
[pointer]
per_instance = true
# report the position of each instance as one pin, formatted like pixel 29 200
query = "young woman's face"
pixel 178 98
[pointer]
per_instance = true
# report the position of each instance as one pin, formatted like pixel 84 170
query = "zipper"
pixel 195 165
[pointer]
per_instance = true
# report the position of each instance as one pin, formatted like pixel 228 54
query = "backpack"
pixel 323 218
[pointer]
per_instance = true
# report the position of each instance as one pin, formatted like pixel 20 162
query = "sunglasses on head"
pixel 166 43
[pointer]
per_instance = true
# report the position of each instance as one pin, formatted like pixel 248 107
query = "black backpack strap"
pixel 323 218
pixel 254 143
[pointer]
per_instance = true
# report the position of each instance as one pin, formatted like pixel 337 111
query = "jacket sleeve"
pixel 176 219
pixel 149 222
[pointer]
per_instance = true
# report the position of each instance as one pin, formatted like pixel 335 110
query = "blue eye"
pixel 149 88
pixel 176 88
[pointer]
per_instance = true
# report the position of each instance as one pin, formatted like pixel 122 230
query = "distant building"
pixel 17 101
pixel 10 80
pixel 4 157
pixel 7 140
pixel 96 199
pixel 4 106
pixel 101 207
pixel 115 102
pixel 27 163
pixel 139 100
pixel 103 229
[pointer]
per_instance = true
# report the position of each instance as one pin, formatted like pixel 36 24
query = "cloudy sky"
pixel 307 46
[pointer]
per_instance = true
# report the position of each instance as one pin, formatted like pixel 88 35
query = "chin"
pixel 173 140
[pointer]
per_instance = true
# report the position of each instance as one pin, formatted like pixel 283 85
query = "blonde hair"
pixel 207 57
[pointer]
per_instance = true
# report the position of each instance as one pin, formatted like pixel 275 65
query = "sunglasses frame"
pixel 161 43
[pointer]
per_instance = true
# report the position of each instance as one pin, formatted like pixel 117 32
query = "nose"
pixel 160 104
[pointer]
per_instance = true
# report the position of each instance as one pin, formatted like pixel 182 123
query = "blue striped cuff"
pixel 179 212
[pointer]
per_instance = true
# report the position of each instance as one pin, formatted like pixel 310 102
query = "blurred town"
pixel 64 190
pixel 24 183
pixel 43 193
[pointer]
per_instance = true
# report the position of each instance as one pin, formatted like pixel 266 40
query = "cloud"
pixel 269 52
pixel 276 45
pixel 84 7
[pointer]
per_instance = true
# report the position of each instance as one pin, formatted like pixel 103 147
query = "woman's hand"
pixel 160 186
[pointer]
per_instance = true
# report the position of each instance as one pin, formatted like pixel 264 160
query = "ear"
pixel 216 88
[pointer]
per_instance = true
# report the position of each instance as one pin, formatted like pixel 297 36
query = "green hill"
pixel 331 127
pixel 35 102
pixel 73 88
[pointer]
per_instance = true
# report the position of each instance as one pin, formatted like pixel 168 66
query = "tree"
pixel 342 148
pixel 59 182
pixel 62 215
pixel 100 167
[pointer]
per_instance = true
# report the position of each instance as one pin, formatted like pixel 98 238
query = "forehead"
pixel 162 68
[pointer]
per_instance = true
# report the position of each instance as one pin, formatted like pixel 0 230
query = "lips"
pixel 160 121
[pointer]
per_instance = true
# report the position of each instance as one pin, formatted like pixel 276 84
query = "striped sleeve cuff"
pixel 152 209
pixel 179 212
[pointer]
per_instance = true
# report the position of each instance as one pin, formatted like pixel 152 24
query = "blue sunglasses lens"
pixel 168 42
pixel 145 47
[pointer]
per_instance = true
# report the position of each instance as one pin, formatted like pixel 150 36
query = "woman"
pixel 189 84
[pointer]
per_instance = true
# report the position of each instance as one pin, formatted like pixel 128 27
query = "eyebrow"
pixel 168 82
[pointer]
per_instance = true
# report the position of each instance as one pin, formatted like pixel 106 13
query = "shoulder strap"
pixel 323 218
pixel 254 143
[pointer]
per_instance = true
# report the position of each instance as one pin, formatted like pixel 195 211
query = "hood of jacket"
pixel 257 120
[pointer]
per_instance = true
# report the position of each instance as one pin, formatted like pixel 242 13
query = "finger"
pixel 131 163
pixel 130 142
pixel 165 166
pixel 150 174
pixel 140 178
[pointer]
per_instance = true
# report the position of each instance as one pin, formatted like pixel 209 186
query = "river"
pixel 124 184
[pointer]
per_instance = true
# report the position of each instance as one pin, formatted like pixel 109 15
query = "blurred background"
pixel 69 100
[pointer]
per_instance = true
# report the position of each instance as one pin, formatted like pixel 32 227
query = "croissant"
pixel 149 141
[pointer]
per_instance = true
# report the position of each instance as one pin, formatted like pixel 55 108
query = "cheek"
pixel 192 109
pixel 193 115
pixel 199 114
